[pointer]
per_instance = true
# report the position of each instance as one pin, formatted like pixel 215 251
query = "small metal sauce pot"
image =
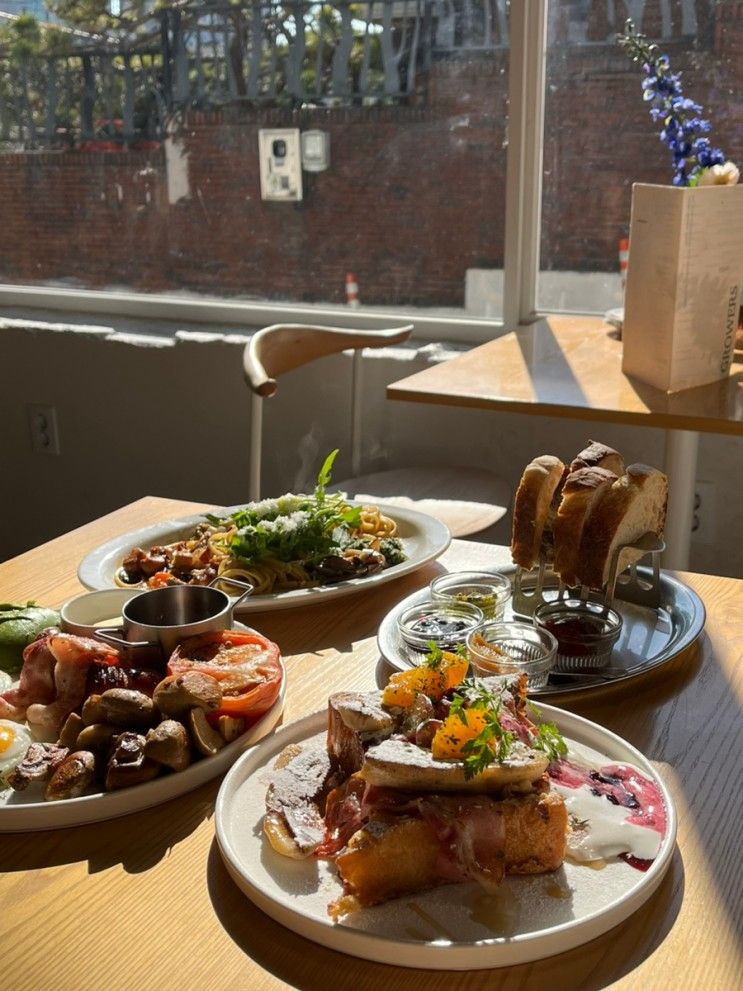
pixel 156 621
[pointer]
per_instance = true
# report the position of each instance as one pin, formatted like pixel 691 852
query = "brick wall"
pixel 414 195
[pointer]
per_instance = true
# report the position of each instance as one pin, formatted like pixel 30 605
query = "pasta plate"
pixel 424 539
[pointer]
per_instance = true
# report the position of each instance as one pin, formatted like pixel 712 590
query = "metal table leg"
pixel 682 447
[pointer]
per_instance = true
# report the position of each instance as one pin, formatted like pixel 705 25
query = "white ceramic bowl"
pixel 84 613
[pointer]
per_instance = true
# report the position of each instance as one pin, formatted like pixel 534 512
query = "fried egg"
pixel 15 739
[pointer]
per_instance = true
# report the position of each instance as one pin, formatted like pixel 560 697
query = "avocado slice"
pixel 19 626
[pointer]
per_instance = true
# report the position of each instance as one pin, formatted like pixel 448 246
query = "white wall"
pixel 153 415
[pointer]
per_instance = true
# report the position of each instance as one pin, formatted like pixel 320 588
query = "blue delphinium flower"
pixel 683 129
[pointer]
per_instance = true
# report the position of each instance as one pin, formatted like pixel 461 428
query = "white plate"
pixel 21 812
pixel 450 927
pixel 615 317
pixel 424 537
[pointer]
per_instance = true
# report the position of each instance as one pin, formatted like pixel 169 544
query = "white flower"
pixel 719 175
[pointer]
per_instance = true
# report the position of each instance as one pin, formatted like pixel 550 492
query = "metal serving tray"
pixel 650 637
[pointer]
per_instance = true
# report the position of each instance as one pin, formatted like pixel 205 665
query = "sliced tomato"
pixel 247 666
pixel 160 579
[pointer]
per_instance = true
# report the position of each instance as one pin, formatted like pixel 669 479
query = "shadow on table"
pixel 137 842
pixel 606 704
pixel 311 967
pixel 316 628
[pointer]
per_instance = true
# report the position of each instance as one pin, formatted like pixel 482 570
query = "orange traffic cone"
pixel 352 290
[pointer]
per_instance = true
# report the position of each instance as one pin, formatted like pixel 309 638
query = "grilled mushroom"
pixel 168 744
pixel 127 708
pixel 69 732
pixel 72 777
pixel 177 694
pixel 97 738
pixel 92 711
pixel 40 762
pixel 230 727
pixel 206 740
pixel 128 764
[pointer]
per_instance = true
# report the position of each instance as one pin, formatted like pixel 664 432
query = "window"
pixel 599 137
pixel 144 152
pixel 133 162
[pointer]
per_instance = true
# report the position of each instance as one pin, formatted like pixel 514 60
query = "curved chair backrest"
pixel 281 348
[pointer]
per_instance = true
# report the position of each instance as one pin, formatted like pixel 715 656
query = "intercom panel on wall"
pixel 281 163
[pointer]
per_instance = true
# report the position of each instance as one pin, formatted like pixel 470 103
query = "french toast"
pixel 440 788
pixel 450 839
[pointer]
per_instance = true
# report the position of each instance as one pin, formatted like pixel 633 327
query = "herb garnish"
pixel 293 527
pixel 492 743
pixel 550 740
pixel 434 657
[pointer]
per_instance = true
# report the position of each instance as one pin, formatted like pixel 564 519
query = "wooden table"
pixel 144 901
pixel 572 367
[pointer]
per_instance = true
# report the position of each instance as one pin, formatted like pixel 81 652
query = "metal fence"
pixel 206 54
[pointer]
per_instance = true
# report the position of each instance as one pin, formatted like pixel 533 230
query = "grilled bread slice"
pixel 598 455
pixel 629 508
pixel 581 493
pixel 534 505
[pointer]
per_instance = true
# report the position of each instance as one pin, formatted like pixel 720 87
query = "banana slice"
pixel 295 801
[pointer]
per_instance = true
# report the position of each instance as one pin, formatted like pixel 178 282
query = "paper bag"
pixel 683 284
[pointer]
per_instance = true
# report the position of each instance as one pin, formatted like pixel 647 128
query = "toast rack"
pixel 630 585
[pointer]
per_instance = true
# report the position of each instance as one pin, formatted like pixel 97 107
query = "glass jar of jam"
pixel 445 624
pixel 586 632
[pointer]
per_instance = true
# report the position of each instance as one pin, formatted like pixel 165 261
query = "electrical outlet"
pixel 704 522
pixel 42 423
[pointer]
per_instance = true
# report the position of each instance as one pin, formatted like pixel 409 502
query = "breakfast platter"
pixel 26 811
pixel 649 638
pixel 458 926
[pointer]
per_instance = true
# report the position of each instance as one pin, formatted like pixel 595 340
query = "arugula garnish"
pixel 293 527
pixel 323 477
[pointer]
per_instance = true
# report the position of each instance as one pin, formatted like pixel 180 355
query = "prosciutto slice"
pixel 472 835
pixel 36 683
pixel 72 657
pixel 470 828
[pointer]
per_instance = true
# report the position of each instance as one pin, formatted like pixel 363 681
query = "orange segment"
pixel 403 687
pixel 451 736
